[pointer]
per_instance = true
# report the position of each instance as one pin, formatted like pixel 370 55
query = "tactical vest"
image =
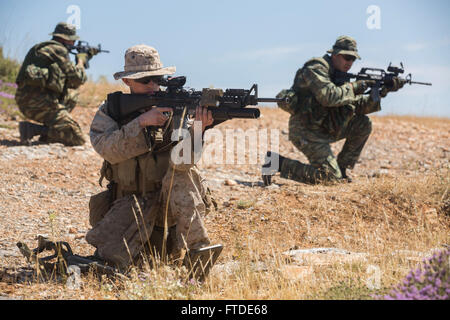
pixel 142 174
pixel 139 175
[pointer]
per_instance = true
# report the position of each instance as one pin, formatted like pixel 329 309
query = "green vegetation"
pixel 8 68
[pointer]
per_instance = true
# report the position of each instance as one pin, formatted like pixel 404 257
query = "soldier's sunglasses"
pixel 147 80
pixel 348 57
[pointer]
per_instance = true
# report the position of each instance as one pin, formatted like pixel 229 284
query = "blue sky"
pixel 233 44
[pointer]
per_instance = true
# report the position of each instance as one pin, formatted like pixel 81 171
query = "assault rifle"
pixel 224 105
pixel 381 77
pixel 84 47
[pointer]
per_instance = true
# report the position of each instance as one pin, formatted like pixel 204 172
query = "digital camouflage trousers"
pixel 323 164
pixel 120 236
pixel 45 108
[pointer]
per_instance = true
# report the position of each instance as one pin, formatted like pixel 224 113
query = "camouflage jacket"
pixel 322 105
pixel 48 68
pixel 132 161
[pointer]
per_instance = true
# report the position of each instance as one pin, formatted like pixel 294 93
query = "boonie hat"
pixel 143 61
pixel 345 45
pixel 65 31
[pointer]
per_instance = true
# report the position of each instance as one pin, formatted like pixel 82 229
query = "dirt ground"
pixel 45 189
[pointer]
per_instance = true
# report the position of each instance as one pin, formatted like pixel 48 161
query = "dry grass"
pixel 92 93
pixel 392 219
pixel 380 218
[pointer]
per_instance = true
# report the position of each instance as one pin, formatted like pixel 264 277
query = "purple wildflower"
pixel 431 281
pixel 6 95
pixel 8 84
pixel 11 85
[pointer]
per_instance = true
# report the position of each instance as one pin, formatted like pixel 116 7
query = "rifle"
pixel 84 47
pixel 224 105
pixel 381 77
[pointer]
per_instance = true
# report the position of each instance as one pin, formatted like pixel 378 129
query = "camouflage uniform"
pixel 324 112
pixel 46 87
pixel 141 171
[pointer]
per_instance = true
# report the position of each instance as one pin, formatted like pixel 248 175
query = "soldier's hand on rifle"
pixel 202 114
pixel 360 86
pixel 81 59
pixel 395 85
pixel 154 117
pixel 92 52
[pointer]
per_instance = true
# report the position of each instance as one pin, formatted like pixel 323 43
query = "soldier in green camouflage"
pixel 324 111
pixel 47 83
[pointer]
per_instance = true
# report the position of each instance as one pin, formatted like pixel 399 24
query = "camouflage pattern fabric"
pixel 187 204
pixel 316 147
pixel 46 83
pixel 116 144
pixel 65 31
pixel 129 219
pixel 326 113
pixel 345 45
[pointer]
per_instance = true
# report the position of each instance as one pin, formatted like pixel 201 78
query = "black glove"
pixel 396 84
pixel 360 86
pixel 92 52
pixel 392 86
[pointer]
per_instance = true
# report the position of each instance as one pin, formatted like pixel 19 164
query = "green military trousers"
pixel 324 166
pixel 45 108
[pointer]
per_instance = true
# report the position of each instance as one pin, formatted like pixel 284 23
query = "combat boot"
pixel 28 130
pixel 345 177
pixel 200 261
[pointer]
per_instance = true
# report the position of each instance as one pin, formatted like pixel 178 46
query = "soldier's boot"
pixel 43 138
pixel 345 177
pixel 269 169
pixel 200 261
pixel 28 130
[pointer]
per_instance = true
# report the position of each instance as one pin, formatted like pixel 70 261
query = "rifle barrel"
pixel 422 83
pixel 271 100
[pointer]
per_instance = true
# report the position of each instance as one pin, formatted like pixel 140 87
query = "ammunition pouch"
pixel 99 204
pixel 35 76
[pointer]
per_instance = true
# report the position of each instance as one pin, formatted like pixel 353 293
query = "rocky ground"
pixel 45 189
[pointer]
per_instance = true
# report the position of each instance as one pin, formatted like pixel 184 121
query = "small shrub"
pixel 8 68
pixel 428 282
